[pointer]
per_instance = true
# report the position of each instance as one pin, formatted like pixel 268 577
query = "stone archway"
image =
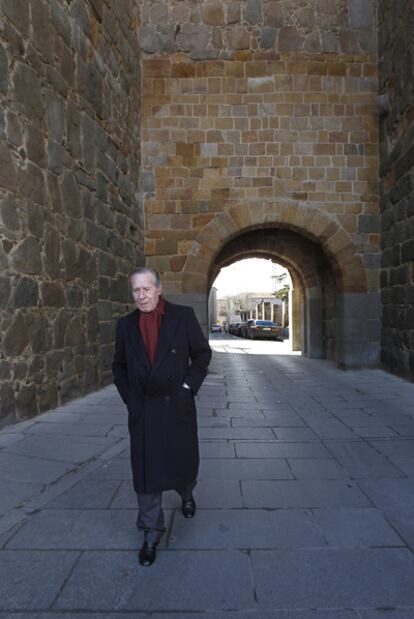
pixel 339 312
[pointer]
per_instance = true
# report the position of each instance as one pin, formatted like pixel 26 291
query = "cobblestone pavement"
pixel 305 501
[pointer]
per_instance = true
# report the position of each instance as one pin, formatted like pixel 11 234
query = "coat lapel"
pixel 169 325
pixel 137 341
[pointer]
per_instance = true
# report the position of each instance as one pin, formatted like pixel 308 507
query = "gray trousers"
pixel 150 513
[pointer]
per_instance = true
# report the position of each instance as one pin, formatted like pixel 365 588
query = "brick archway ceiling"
pixel 304 258
pixel 308 223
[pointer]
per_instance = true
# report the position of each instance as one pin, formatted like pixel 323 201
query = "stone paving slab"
pixel 317 468
pixel 302 494
pixel 249 529
pixel 389 493
pixel 253 413
pixel 80 529
pixel 352 528
pixel 196 580
pixel 217 449
pixel 22 469
pixel 85 430
pixel 12 494
pixel 361 460
pixel 406 465
pixel 237 468
pixel 87 494
pixel 117 468
pixel 345 578
pixel 295 434
pixel 236 433
pixel 33 579
pixel 59 448
pixel 281 450
pixel 403 447
pixel 209 494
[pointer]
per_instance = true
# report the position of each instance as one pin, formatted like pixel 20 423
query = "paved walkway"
pixel 305 497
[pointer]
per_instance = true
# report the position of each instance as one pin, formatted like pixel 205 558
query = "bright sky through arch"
pixel 249 275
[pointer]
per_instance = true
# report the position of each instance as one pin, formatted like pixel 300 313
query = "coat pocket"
pixel 186 409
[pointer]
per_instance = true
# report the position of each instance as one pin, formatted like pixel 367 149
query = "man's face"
pixel 144 291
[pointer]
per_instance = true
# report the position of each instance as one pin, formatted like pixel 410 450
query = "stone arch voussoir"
pixel 309 221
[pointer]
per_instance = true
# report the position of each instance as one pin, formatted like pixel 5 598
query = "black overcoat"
pixel 161 413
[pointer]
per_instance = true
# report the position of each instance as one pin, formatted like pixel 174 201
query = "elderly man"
pixel 160 362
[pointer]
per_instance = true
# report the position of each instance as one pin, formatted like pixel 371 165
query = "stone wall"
pixel 396 64
pixel 208 29
pixel 71 222
pixel 263 113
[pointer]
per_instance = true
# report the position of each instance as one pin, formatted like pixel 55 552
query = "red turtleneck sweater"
pixel 150 324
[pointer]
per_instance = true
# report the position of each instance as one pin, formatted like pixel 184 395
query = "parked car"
pixel 215 328
pixel 263 329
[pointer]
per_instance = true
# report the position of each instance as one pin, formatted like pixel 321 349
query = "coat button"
pixel 173 351
pixel 167 397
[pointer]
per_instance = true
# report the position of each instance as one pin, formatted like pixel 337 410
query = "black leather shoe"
pixel 147 554
pixel 188 508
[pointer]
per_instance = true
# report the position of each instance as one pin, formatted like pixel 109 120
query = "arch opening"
pixel 315 281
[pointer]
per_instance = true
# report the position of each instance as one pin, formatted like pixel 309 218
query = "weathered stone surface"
pixel 52 252
pixel 25 258
pixel 87 133
pixel 52 295
pixel 289 39
pixel 39 333
pixel 193 37
pixel 74 333
pixel 61 21
pixel 55 116
pixel 254 11
pixel 42 32
pixel 7 168
pixel 18 13
pixel 213 13
pixel 55 157
pixel 35 146
pixel 93 87
pixel 79 13
pixel 17 336
pixel 361 13
pixel 74 296
pixel 9 213
pixel 14 129
pixel 26 293
pixel 4 70
pixel 27 93
pixel 147 38
pixel 70 196
pixel 239 38
pixel 32 183
pixel 4 261
pixel 275 15
pixel 268 38
pixel 4 292
pixel 7 399
pixel 35 219
pixel 26 399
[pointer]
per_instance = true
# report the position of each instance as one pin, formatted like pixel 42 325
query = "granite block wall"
pixel 71 223
pixel 396 98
